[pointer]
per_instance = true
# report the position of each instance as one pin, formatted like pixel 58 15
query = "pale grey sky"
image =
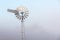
pixel 43 21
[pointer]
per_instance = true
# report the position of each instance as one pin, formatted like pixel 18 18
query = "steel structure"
pixel 21 13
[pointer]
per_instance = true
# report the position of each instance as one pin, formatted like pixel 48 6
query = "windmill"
pixel 21 13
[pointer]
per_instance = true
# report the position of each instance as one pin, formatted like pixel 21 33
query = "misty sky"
pixel 43 22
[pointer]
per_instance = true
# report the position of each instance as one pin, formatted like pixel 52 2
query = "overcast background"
pixel 43 22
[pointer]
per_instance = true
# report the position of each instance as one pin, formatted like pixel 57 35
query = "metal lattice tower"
pixel 21 13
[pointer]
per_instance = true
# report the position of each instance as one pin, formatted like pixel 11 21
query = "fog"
pixel 45 26
pixel 43 22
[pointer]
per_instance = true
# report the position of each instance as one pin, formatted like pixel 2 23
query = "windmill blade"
pixel 13 11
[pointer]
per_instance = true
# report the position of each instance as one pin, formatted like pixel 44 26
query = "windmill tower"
pixel 21 13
